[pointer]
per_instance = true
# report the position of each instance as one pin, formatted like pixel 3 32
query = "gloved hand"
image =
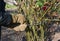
pixel 21 27
pixel 18 18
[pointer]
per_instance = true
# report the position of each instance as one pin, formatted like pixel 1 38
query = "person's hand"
pixel 21 27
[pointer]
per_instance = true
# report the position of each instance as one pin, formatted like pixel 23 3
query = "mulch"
pixel 9 35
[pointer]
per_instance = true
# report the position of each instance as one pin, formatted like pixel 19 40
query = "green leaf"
pixel 39 4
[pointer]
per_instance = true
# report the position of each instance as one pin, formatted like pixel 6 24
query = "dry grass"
pixel 35 18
